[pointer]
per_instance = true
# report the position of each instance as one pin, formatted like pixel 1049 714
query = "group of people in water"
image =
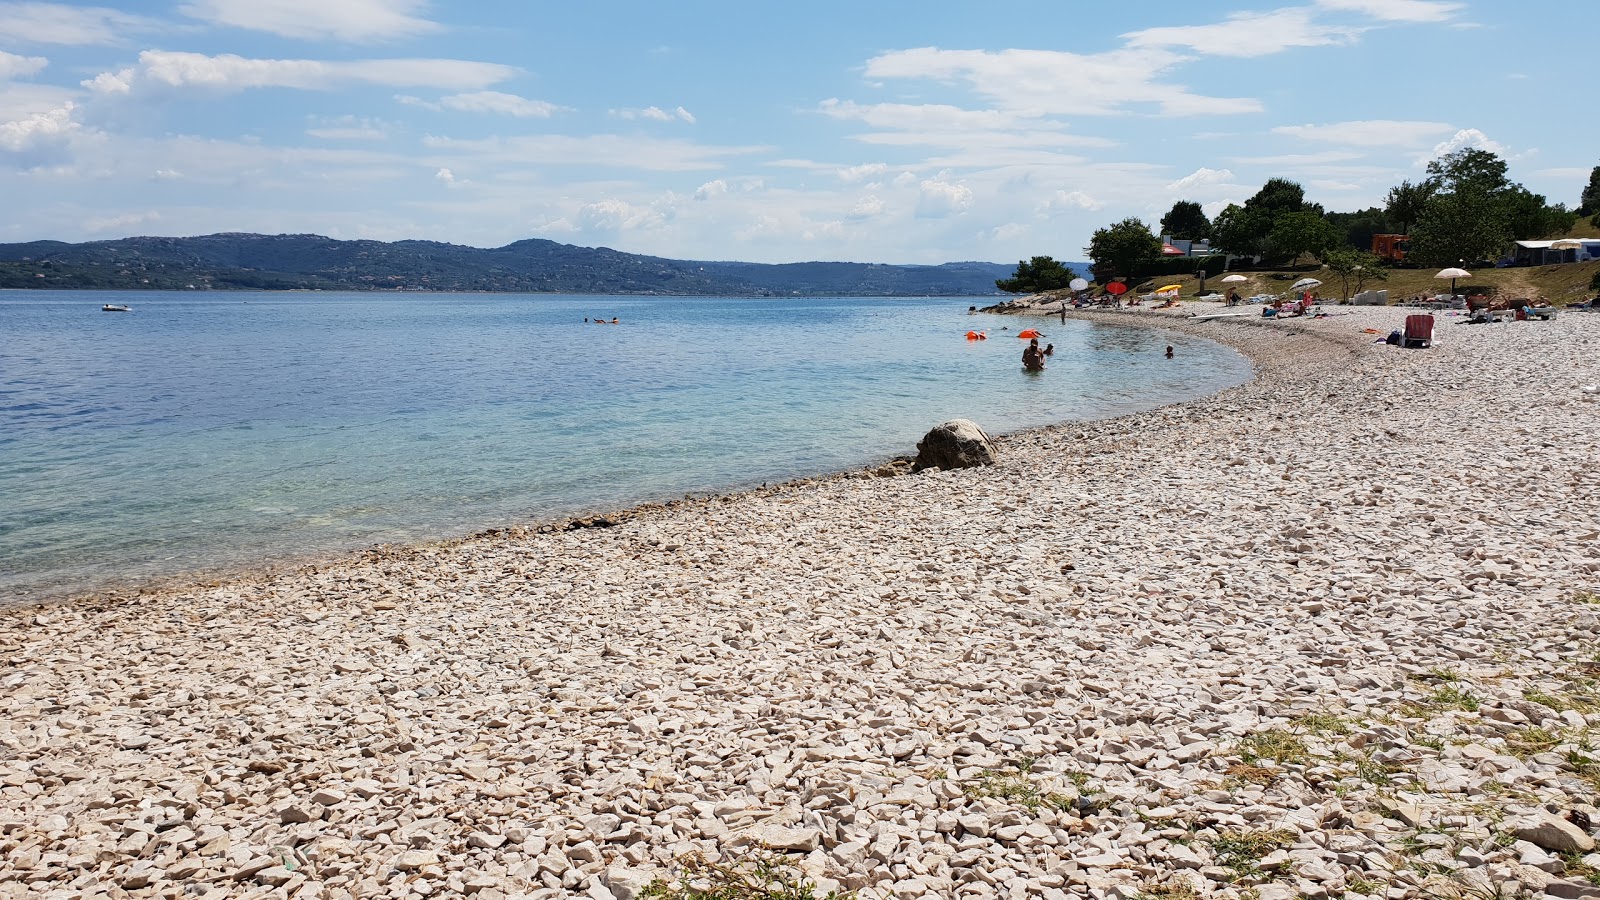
pixel 1033 357
pixel 611 321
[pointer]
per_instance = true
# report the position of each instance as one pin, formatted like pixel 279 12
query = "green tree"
pixel 1468 170
pixel 1357 266
pixel 1589 203
pixel 1406 203
pixel 1119 249
pixel 1246 230
pixel 1459 227
pixel 1303 233
pixel 1359 227
pixel 1237 230
pixel 1475 211
pixel 1186 221
pixel 1037 275
pixel 1279 196
pixel 1530 217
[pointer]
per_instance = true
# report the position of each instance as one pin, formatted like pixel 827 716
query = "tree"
pixel 1119 249
pixel 1244 230
pixel 1459 227
pixel 1468 170
pixel 1406 203
pixel 1530 217
pixel 1589 203
pixel 1186 221
pixel 1475 211
pixel 1237 230
pixel 1359 227
pixel 1279 196
pixel 1350 264
pixel 1300 233
pixel 1036 276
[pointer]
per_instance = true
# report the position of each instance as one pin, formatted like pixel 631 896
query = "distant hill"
pixel 312 262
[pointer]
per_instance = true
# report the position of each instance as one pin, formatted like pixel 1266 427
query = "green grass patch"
pixel 1277 744
pixel 1240 851
pixel 1525 742
pixel 1359 885
pixel 1450 696
pixel 1322 723
pixel 1181 890
pixel 1015 785
pixel 1577 868
pixel 761 875
pixel 1374 772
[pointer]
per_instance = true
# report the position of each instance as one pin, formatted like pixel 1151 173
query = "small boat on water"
pixel 112 307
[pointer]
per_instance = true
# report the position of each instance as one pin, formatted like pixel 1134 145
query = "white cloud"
pixel 14 66
pixel 1074 200
pixel 855 174
pixel 121 223
pixel 1466 137
pixel 655 114
pixel 34 132
pixel 613 215
pixel 59 23
pixel 711 189
pixel 1201 177
pixel 119 82
pixel 346 20
pixel 227 72
pixel 627 152
pixel 498 103
pixel 1036 83
pixel 1370 133
pixel 868 207
pixel 940 197
pixel 448 177
pixel 1397 10
pixel 1299 159
pixel 349 128
pixel 1246 34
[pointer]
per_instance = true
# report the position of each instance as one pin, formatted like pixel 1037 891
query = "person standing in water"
pixel 1033 357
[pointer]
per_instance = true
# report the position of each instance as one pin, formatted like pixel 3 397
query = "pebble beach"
pixel 1328 634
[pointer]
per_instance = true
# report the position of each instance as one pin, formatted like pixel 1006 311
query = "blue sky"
pixel 869 131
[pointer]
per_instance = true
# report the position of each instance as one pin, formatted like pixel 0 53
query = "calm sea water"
pixel 208 432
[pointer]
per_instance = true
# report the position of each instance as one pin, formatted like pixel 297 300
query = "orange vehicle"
pixel 1391 247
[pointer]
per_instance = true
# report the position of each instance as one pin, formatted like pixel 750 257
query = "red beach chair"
pixel 1419 331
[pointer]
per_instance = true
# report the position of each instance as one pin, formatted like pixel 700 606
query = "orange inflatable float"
pixel 977 336
pixel 1027 333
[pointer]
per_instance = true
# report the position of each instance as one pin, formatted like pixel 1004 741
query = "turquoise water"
pixel 204 432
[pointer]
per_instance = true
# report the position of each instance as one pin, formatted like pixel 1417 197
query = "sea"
pixel 210 432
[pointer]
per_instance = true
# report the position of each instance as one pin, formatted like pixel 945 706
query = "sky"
pixel 891 131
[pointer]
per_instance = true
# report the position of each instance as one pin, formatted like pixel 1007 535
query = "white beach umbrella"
pixel 1305 284
pixel 1078 284
pixel 1234 279
pixel 1452 274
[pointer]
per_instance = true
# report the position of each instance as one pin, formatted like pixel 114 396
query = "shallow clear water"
pixel 204 432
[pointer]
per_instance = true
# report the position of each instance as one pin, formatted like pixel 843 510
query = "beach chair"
pixel 1419 331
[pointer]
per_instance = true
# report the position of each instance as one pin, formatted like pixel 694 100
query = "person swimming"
pixel 1169 351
